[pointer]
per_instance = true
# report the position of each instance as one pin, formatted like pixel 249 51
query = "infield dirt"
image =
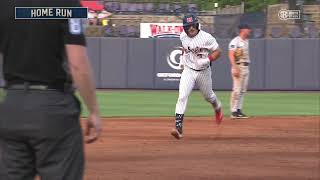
pixel 285 148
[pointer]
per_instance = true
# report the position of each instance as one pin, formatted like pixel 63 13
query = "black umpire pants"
pixel 40 134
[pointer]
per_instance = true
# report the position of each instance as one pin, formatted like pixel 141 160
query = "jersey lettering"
pixel 197 48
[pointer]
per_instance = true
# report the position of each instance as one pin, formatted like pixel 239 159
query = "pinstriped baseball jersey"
pixel 237 42
pixel 196 48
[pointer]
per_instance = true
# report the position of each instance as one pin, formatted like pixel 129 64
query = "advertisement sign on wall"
pixel 167 70
pixel 160 30
pixel 173 59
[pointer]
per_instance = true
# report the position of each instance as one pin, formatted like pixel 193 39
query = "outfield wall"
pixel 277 64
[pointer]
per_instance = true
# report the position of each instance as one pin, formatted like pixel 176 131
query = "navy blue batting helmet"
pixel 190 20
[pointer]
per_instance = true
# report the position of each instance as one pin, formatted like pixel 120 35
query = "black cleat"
pixel 238 115
pixel 241 115
pixel 234 115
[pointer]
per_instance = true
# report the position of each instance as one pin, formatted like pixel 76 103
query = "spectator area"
pixel 122 19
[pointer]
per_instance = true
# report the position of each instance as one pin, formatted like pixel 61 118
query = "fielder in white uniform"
pixel 239 60
pixel 199 50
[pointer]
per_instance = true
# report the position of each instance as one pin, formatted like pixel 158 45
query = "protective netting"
pixel 226 26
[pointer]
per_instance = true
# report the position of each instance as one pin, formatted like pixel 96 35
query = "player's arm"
pixel 215 54
pixel 214 49
pixel 232 58
pixel 82 75
pixel 213 46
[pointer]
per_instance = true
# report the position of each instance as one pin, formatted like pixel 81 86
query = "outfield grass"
pixel 122 103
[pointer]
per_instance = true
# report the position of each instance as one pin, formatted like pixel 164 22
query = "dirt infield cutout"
pixel 257 148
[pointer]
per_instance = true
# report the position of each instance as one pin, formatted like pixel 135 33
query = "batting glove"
pixel 204 62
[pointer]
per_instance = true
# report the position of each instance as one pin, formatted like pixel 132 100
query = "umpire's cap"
pixel 190 19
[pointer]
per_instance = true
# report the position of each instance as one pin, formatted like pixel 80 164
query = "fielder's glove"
pixel 238 53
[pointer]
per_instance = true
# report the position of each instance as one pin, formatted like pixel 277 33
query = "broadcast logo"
pixel 285 14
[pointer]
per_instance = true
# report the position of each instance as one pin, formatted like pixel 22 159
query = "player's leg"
pixel 186 85
pixel 204 82
pixel 243 90
pixel 235 96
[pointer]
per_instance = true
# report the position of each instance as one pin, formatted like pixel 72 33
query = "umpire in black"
pixel 40 131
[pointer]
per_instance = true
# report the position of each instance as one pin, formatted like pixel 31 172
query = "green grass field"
pixel 129 103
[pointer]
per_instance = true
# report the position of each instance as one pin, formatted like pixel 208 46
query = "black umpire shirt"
pixel 34 50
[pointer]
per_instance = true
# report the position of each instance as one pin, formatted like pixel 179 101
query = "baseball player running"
pixel 199 50
pixel 239 59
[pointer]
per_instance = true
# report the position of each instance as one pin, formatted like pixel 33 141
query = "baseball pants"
pixel 240 85
pixel 189 79
pixel 40 134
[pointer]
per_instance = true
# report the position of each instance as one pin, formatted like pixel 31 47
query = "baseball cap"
pixel 244 26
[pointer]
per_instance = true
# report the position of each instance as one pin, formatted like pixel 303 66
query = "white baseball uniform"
pixel 195 49
pixel 240 83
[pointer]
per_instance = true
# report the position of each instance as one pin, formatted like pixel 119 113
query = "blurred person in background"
pixel 240 60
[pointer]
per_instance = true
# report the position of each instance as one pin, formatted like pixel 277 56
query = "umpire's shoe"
pixel 176 133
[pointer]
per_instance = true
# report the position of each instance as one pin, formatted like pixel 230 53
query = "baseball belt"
pixel 199 69
pixel 243 64
pixel 28 86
